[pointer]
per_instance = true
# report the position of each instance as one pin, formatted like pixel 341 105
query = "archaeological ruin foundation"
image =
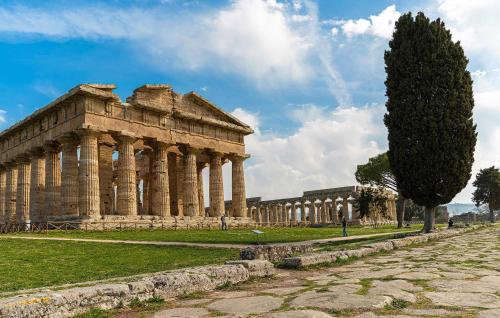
pixel 88 157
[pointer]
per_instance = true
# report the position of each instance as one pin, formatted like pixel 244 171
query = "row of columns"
pixel 37 185
pixel 322 212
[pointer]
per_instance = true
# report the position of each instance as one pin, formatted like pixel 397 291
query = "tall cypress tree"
pixel 429 113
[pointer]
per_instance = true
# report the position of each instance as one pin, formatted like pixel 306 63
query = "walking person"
pixel 344 227
pixel 223 222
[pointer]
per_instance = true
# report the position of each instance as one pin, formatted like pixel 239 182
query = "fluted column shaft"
pixel 23 189
pixel 106 178
pixel 10 193
pixel 37 190
pixel 160 189
pixel 191 199
pixel 215 187
pixel 312 212
pixel 180 167
pixel 201 194
pixel 172 182
pixel 127 192
pixel 293 215
pixel 324 212
pixel 345 208
pixel 3 176
pixel 69 177
pixel 88 176
pixel 303 215
pixel 52 180
pixel 239 201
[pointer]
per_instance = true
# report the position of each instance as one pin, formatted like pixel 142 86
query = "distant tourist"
pixel 450 223
pixel 223 222
pixel 344 227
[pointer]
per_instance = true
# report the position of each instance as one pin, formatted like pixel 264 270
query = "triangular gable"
pixel 211 109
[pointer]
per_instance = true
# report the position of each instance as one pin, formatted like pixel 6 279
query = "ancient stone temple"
pixel 88 156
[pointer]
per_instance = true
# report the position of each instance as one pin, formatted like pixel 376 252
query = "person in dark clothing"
pixel 223 222
pixel 344 227
pixel 450 223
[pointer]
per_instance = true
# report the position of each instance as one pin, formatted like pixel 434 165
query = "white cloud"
pixel 381 25
pixel 322 152
pixel 2 116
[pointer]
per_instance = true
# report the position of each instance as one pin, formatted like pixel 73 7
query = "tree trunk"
pixel 400 210
pixel 492 214
pixel 429 219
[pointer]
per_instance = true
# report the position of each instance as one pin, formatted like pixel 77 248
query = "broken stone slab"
pixel 257 268
pixel 73 301
pixel 338 301
pixel 247 305
pixel 454 299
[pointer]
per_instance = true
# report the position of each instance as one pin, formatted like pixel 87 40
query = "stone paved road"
pixel 457 277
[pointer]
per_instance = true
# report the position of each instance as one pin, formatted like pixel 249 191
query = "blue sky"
pixel 307 75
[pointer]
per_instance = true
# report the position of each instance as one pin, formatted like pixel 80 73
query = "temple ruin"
pixel 88 156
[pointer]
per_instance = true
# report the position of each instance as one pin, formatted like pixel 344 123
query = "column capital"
pixel 185 148
pixel 51 146
pixel 88 131
pixel 23 158
pixel 68 139
pixel 10 164
pixel 37 152
pixel 234 157
pixel 125 136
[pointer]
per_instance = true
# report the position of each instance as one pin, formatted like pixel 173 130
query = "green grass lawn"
pixel 240 236
pixel 31 264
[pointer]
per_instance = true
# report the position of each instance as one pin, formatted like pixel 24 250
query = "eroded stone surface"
pixel 182 313
pixel 247 305
pixel 480 300
pixel 299 314
pixel 333 300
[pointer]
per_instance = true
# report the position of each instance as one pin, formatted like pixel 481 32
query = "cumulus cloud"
pixel 381 25
pixel 322 152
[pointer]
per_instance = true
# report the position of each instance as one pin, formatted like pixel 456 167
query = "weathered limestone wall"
pixel 74 301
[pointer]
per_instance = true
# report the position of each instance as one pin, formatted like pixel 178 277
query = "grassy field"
pixel 31 264
pixel 241 236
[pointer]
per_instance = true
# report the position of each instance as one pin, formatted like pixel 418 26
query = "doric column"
pixel 88 175
pixel 172 181
pixel 335 213
pixel 106 192
pixel 180 171
pixel 201 195
pixel 215 187
pixel 258 214
pixel 293 215
pixel 10 192
pixel 303 215
pixel 266 215
pixel 239 200
pixel 312 212
pixel 69 176
pixel 191 203
pixel 3 175
pixel 159 188
pixel 52 179
pixel 23 189
pixel 324 212
pixel 345 208
pixel 127 195
pixel 37 184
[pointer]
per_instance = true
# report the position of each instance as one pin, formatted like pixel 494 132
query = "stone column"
pixel 172 183
pixel 3 175
pixel 191 203
pixel 69 177
pixel 106 178
pixel 180 184
pixel 239 200
pixel 216 189
pixel 37 190
pixel 266 218
pixel 160 204
pixel 294 213
pixel 88 175
pixel 258 215
pixel 201 194
pixel 345 208
pixel 303 215
pixel 52 179
pixel 23 189
pixel 312 212
pixel 324 212
pixel 10 192
pixel 127 192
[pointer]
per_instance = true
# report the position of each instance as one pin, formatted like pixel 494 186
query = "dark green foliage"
pixel 429 111
pixel 371 202
pixel 487 191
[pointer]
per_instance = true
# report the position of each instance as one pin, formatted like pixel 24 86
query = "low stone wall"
pixel 73 301
pixel 331 257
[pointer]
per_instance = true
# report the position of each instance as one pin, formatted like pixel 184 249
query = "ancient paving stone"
pixel 283 290
pixel 467 286
pixel 417 276
pixel 480 300
pixel 373 315
pixel 333 300
pixel 182 313
pixel 232 294
pixel 246 305
pixel 344 289
pixel 373 274
pixel 427 312
pixel 491 313
pixel 347 281
pixel 456 275
pixel 299 314
pixel 395 288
